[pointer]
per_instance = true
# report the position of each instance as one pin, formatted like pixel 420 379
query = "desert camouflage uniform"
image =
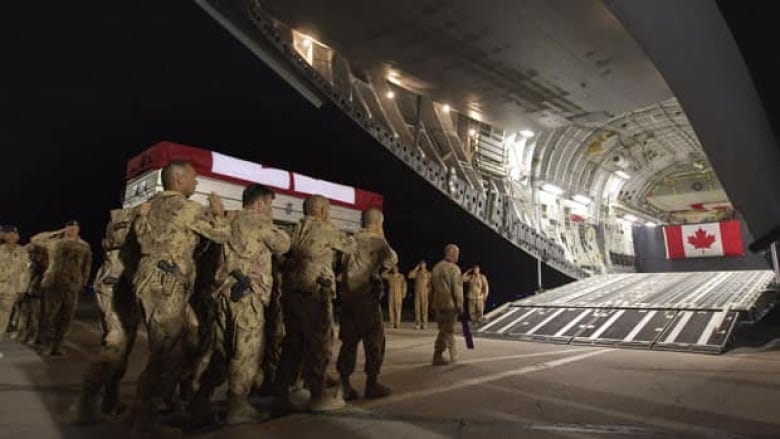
pixel 274 331
pixel 163 284
pixel 14 279
pixel 361 310
pixel 422 292
pixel 119 313
pixel 240 325
pixel 70 261
pixel 396 288
pixel 30 307
pixel 477 294
pixel 309 283
pixel 447 303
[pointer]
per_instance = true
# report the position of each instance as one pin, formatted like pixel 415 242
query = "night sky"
pixel 90 84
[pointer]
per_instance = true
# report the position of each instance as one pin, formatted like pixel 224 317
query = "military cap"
pixel 72 223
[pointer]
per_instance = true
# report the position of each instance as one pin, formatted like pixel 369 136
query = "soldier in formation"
pixel 14 275
pixel 70 263
pixel 261 317
pixel 396 286
pixel 477 292
pixel 361 312
pixel 422 291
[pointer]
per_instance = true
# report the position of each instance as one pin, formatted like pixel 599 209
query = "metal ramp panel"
pixel 699 331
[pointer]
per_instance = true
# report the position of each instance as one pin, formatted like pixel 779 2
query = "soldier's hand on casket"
pixel 215 202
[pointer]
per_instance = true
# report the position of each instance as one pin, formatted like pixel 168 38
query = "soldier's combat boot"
pixel 266 388
pixel 240 411
pixel 87 409
pixel 145 425
pixel 374 389
pixel 349 393
pixel 111 404
pixel 438 359
pixel 200 412
pixel 453 356
pixel 324 402
pixel 56 351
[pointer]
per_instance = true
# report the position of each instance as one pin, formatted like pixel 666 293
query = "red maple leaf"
pixel 701 239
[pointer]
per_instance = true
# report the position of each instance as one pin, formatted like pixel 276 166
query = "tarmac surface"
pixel 500 389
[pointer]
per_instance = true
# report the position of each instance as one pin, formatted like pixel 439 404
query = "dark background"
pixel 90 84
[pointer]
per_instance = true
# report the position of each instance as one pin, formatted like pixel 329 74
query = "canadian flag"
pixel 703 240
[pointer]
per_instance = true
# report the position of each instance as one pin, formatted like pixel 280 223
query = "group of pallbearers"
pixel 40 283
pixel 261 313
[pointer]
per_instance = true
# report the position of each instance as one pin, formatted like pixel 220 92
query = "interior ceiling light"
pixel 582 199
pixel 445 108
pixel 650 224
pixel 551 188
pixel 622 174
pixel 527 133
pixel 629 217
pixel 472 132
pixel 390 94
pixel 306 41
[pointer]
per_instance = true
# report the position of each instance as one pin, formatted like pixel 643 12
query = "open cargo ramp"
pixel 695 311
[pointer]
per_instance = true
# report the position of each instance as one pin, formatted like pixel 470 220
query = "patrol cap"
pixel 10 229
pixel 72 223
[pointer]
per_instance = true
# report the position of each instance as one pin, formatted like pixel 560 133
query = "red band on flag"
pixel 732 238
pixel 674 242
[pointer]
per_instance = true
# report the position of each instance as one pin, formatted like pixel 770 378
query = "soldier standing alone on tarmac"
pixel 447 303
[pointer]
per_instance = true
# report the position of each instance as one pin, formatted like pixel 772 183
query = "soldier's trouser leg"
pixel 119 332
pixel 395 310
pixel 24 318
pixel 318 337
pixel 292 346
pixel 417 308
pixel 246 344
pixel 15 310
pixel 53 301
pixel 36 314
pixel 424 309
pixel 272 352
pixel 480 309
pixel 6 306
pixel 350 336
pixel 445 320
pixel 216 372
pixel 373 332
pixel 473 310
pixel 165 316
pixel 64 317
